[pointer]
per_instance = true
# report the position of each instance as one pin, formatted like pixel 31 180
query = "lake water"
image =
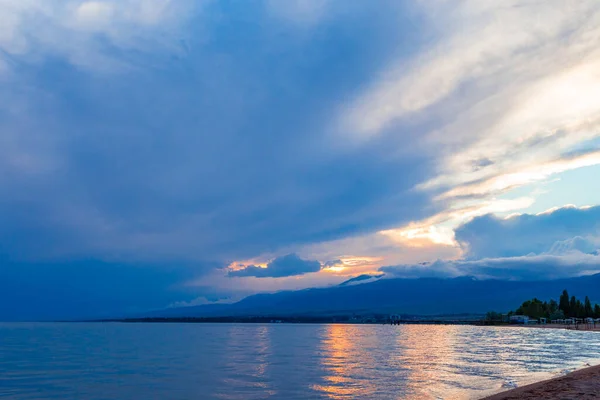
pixel 279 361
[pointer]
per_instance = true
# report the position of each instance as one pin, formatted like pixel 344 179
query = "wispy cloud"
pixel 100 35
pixel 503 94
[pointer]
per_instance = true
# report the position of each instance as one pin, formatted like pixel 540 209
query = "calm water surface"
pixel 279 361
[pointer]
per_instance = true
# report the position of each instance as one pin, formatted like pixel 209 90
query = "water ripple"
pixel 228 361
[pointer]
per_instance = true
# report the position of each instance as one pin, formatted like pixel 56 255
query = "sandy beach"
pixel 582 384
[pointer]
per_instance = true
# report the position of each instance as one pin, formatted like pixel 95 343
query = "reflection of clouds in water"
pixel 432 362
pixel 247 361
pixel 339 363
pixel 351 360
pixel 263 343
pixel 283 361
pixel 384 361
pixel 428 352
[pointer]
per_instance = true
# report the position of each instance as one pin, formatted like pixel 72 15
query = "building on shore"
pixel 519 319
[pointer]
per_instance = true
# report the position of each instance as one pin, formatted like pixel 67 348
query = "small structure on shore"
pixel 519 319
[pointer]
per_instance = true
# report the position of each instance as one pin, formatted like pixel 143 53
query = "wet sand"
pixel 582 384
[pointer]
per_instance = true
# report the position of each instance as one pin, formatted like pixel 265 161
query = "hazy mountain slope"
pixel 407 296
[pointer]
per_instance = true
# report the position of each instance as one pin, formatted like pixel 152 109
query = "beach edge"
pixel 582 383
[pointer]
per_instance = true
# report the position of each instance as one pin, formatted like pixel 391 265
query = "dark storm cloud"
pixel 91 289
pixel 201 133
pixel 218 152
pixel 181 136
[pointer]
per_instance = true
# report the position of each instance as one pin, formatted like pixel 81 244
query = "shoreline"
pixel 580 327
pixel 581 384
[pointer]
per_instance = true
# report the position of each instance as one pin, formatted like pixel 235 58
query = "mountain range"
pixel 424 296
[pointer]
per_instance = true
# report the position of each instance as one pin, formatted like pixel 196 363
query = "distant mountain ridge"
pixel 361 279
pixel 424 296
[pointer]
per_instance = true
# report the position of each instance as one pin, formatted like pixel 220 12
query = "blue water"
pixel 279 361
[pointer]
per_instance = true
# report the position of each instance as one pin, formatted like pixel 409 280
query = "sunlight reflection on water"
pixel 254 361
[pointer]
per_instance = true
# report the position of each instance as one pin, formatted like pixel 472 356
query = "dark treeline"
pixel 566 307
pixel 317 319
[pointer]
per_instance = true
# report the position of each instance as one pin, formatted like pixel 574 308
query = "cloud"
pixel 211 155
pixel 91 288
pixel 289 265
pixel 438 269
pixel 205 151
pixel 333 263
pixel 199 132
pixel 164 133
pixel 302 12
pixel 528 268
pixel 500 111
pixel 586 245
pixel 361 279
pixel 91 34
pixel 490 237
pixel 559 243
pixel 456 59
pixel 204 300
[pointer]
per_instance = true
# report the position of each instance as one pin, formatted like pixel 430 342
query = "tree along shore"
pixel 565 307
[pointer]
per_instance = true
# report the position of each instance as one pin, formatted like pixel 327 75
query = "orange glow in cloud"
pixel 361 261
pixel 348 266
pixel 422 236
pixel 335 269
pixel 237 265
pixel 352 265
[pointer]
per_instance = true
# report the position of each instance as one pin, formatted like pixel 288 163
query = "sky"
pixel 164 153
